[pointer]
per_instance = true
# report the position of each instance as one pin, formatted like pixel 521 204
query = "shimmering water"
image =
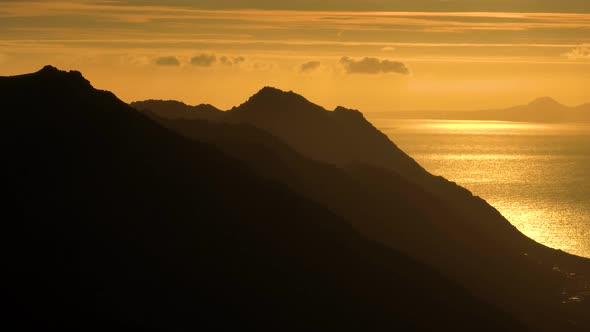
pixel 536 175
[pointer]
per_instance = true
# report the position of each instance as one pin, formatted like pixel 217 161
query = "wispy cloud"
pixel 226 61
pixel 372 5
pixel 168 16
pixel 373 66
pixel 579 53
pixel 171 61
pixel 310 66
pixel 203 60
pixel 229 61
pixel 181 26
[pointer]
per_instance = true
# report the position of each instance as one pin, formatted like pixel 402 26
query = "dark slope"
pixel 401 214
pixel 343 137
pixel 339 137
pixel 179 110
pixel 436 221
pixel 119 224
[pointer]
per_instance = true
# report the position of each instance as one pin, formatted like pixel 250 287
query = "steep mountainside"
pixel 383 193
pixel 116 223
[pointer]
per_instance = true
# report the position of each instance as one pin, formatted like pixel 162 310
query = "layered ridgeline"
pixel 542 110
pixel 341 161
pixel 115 222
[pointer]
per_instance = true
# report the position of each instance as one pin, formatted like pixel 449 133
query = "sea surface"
pixel 536 175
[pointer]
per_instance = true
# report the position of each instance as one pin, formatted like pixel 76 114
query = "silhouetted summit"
pixel 72 79
pixel 117 223
pixel 267 99
pixel 338 137
pixel 49 69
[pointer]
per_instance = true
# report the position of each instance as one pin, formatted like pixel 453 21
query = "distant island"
pixel 542 110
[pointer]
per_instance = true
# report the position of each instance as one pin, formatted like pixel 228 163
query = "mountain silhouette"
pixel 546 103
pixel 545 109
pixel 264 102
pixel 358 173
pixel 115 222
pixel 339 137
pixel 540 110
pixel 585 109
pixel 179 110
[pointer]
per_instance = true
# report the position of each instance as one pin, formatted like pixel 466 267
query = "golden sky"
pixel 375 55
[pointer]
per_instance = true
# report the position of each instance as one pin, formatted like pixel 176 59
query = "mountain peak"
pixel 269 92
pixel 74 77
pixel 48 69
pixel 545 102
pixel 345 110
pixel 270 99
pixel 348 112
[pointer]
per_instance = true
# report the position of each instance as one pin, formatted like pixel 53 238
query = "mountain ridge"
pixel 381 169
pixel 122 224
pixel 264 94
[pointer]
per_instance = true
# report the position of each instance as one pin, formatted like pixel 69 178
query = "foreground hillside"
pixel 120 224
pixel 340 160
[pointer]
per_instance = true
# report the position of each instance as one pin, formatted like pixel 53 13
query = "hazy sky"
pixel 375 55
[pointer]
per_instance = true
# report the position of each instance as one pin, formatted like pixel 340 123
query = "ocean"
pixel 536 175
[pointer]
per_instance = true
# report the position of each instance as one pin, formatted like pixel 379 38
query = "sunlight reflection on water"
pixel 489 127
pixel 536 175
